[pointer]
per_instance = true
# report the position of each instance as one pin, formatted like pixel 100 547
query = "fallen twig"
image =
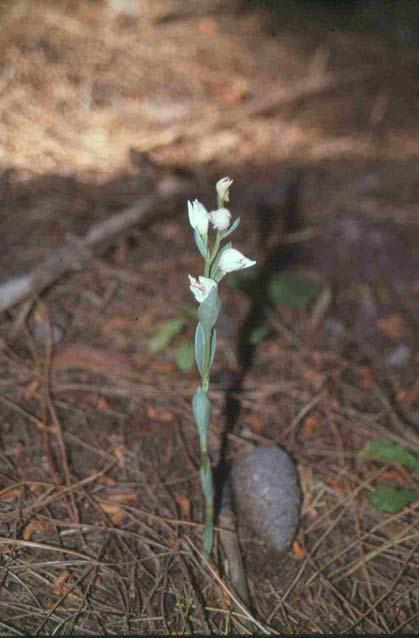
pixel 77 251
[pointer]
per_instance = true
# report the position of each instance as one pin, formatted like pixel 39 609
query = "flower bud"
pixel 222 187
pixel 232 259
pixel 198 216
pixel 201 288
pixel 220 218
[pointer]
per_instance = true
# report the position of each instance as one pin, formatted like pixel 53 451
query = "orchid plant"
pixel 218 261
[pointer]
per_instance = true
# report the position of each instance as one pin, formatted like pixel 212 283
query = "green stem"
pixel 205 462
pixel 206 472
pixel 215 249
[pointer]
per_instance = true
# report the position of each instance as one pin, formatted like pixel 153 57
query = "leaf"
pixel 213 347
pixel 185 356
pixel 205 475
pixel 200 348
pixel 165 334
pixel 184 505
pixel 59 583
pixel 34 526
pixel 232 228
pixel 202 413
pixel 209 310
pixel 391 500
pixel 257 334
pixel 115 512
pixel 385 450
pixel 201 244
pixel 298 550
pixel 161 416
pixel 214 272
pixel 123 497
pixel 292 290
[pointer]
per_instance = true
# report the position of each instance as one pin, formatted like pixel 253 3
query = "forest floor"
pixel 100 503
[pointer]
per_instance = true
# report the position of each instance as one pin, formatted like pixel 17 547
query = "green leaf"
pixel 205 475
pixel 209 310
pixel 213 347
pixel 391 500
pixel 185 357
pixel 232 228
pixel 257 334
pixel 200 348
pixel 385 450
pixel 214 272
pixel 202 413
pixel 292 290
pixel 201 244
pixel 165 334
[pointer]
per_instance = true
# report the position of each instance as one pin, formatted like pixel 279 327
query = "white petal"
pixel 220 218
pixel 222 187
pixel 232 259
pixel 201 289
pixel 191 213
pixel 198 216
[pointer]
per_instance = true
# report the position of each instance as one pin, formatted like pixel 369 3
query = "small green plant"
pixel 391 499
pixel 218 261
pixel 172 331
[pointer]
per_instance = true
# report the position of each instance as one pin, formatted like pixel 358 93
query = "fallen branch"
pixel 77 251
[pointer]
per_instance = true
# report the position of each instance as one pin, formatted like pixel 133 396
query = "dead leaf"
pixel 115 512
pixel 311 424
pixel 393 326
pixel 34 526
pixel 120 453
pixel 58 586
pixel 408 396
pixel 337 486
pixel 161 416
pixel 298 550
pixel 256 423
pixel 123 497
pixel 102 404
pixel 184 506
pixel 10 492
pixel 104 479
pixel 394 476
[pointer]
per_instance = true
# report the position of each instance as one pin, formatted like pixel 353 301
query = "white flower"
pixel 198 216
pixel 220 218
pixel 222 187
pixel 201 288
pixel 232 259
